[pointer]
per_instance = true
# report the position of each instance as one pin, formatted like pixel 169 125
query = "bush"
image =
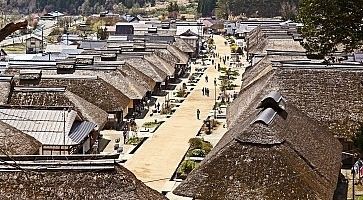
pixel 207 147
pixel 197 153
pixel 186 167
pixel 181 93
pixel 199 144
pixel 195 143
pixel 134 140
pixel 150 124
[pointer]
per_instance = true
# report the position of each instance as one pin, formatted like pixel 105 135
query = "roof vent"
pixel 266 116
pixel 271 105
pixel 272 100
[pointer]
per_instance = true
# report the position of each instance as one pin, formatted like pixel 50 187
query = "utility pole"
pixel 64 130
pixel 353 191
pixel 215 98
pixel 42 39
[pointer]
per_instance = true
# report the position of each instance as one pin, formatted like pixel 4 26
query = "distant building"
pixel 34 44
pixel 124 29
pixel 52 16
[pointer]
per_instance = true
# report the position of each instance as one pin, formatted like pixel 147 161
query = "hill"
pixel 249 8
pixel 68 6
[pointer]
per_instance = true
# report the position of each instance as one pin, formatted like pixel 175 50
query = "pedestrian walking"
pixel 158 106
pixel 203 91
pixel 206 79
pixel 207 92
pixel 198 113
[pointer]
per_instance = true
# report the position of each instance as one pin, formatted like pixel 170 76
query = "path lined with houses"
pixel 157 159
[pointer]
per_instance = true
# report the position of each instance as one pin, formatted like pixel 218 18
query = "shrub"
pixel 197 153
pixel 195 143
pixel 186 167
pixel 134 140
pixel 207 147
pixel 181 93
pixel 199 144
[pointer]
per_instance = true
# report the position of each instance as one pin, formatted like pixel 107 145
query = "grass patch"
pixel 134 140
pixel 151 124
pixel 15 48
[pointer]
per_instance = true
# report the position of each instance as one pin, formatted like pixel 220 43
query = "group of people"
pixel 205 91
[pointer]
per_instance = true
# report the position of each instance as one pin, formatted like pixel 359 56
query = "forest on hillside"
pixel 249 8
pixel 69 6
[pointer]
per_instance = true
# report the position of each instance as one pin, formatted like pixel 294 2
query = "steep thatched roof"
pixel 88 111
pixel 133 74
pixel 15 142
pixel 131 88
pixel 183 46
pixel 182 57
pixel 73 180
pixel 292 158
pixel 147 68
pixel 39 98
pixel 167 56
pixel 93 90
pixel 48 97
pixel 160 63
pixel 332 96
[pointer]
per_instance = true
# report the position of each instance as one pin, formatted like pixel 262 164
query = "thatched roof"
pixel 72 180
pixel 132 73
pixel 278 44
pixel 182 57
pixel 332 96
pixel 160 63
pixel 183 46
pixel 147 68
pixel 167 56
pixel 131 88
pixel 5 87
pixel 41 98
pixel 95 91
pixel 15 142
pixel 292 158
pixel 88 111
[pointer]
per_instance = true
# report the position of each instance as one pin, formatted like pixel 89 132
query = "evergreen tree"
pixel 222 9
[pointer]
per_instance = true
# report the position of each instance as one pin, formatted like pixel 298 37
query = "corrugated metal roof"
pixel 47 126
pixel 81 130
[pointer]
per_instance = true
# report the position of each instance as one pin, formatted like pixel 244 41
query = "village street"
pixel 157 159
